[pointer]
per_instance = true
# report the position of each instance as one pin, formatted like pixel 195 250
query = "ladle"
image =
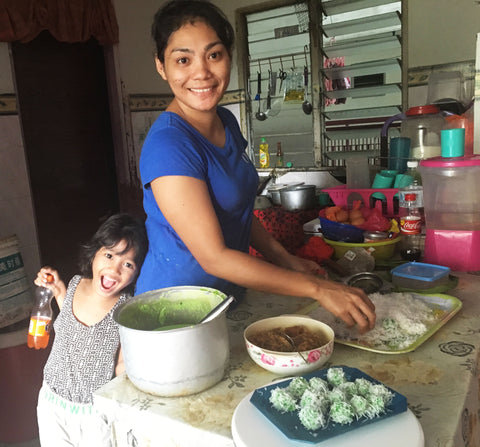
pixel 217 310
pixel 306 106
pixel 261 116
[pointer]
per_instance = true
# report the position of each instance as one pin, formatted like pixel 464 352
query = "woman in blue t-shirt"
pixel 200 186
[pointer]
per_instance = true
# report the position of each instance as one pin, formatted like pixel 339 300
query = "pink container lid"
pixel 451 162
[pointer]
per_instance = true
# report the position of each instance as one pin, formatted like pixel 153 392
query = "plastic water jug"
pixel 423 125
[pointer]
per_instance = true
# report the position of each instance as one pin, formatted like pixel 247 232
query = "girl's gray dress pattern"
pixel 83 358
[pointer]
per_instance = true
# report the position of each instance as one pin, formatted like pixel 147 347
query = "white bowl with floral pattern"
pixel 291 363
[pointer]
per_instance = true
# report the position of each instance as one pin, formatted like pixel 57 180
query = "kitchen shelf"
pixel 343 155
pixel 361 113
pixel 341 6
pixel 367 46
pixel 363 91
pixel 348 133
pixel 363 69
pixel 363 25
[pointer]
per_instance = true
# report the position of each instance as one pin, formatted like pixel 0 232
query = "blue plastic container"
pixel 418 275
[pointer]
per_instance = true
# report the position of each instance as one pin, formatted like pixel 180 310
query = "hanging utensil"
pixel 282 74
pixel 259 86
pixel 276 105
pixel 261 116
pixel 306 106
pixel 269 97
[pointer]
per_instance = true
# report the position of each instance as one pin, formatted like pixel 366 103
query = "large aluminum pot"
pixel 165 352
pixel 299 197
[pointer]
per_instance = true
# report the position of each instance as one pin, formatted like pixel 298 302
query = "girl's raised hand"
pixel 57 286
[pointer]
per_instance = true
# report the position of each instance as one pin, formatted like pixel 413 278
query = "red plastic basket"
pixel 341 196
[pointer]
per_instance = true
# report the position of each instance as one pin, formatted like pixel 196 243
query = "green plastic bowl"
pixel 383 249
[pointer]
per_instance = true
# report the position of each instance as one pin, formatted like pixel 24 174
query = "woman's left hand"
pixel 302 265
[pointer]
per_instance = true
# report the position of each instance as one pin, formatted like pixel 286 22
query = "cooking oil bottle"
pixel 263 154
pixel 279 161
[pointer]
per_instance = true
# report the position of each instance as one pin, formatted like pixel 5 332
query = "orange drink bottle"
pixel 41 318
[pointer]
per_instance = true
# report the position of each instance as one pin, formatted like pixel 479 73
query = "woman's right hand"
pixel 57 286
pixel 350 304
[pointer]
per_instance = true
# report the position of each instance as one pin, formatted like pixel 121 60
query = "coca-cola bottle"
pixel 410 226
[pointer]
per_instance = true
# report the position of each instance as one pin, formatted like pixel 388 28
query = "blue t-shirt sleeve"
pixel 167 151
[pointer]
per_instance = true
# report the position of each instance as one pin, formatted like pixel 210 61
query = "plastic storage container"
pixel 423 125
pixel 420 276
pixel 452 210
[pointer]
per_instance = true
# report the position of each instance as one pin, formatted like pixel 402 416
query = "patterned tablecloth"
pixel 440 380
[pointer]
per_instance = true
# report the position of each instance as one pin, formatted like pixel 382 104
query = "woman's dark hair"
pixel 115 229
pixel 176 13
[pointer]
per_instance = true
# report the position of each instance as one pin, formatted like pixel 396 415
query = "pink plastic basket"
pixel 341 196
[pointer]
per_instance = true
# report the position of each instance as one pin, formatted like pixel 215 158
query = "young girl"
pixel 86 351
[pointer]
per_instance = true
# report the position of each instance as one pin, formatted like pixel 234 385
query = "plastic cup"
pixel 382 181
pixel 453 142
pixel 358 173
pixel 399 154
pixel 393 172
pixel 402 180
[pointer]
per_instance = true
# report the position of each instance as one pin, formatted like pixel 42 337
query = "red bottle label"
pixel 410 225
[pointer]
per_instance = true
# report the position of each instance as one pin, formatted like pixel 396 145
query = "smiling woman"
pixel 196 65
pixel 196 150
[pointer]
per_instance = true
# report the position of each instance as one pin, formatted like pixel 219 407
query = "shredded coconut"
pixel 401 320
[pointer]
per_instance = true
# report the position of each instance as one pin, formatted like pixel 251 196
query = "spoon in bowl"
pixel 293 345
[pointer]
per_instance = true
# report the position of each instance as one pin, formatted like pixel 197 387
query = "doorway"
pixel 63 105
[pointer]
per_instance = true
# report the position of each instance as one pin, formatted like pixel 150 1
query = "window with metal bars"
pixel 344 58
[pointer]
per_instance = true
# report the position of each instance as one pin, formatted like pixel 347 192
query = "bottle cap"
pixel 412 164
pixel 263 140
pixel 410 197
pixel 453 142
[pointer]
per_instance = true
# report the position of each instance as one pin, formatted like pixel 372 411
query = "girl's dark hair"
pixel 176 13
pixel 115 229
